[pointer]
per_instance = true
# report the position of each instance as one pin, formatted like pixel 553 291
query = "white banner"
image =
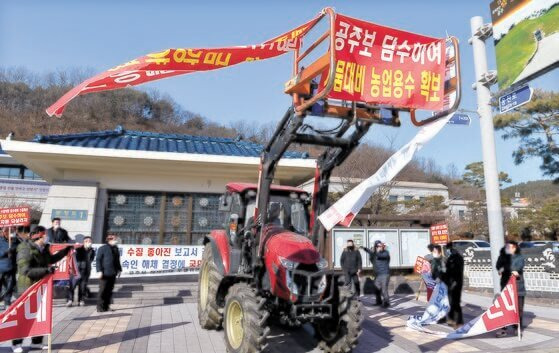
pixel 156 260
pixel 437 308
pixel 346 208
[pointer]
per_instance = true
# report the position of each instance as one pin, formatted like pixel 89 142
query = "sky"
pixel 44 36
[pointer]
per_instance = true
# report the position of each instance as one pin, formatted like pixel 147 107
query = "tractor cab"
pixel 288 209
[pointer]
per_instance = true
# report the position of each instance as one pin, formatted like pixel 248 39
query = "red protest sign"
pixel 14 216
pixel 31 314
pixel 66 267
pixel 384 65
pixel 422 265
pixel 439 234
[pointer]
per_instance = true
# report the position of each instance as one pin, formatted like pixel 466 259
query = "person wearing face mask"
pixel 380 257
pixel 436 261
pixel 34 261
pixel 453 277
pixel 516 270
pixel 84 258
pixel 351 265
pixel 109 268
pixel 56 234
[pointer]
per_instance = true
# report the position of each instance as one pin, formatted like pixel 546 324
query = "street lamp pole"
pixel 484 80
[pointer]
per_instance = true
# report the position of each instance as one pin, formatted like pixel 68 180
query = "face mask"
pixel 87 245
pixel 436 255
pixel 508 251
pixel 113 242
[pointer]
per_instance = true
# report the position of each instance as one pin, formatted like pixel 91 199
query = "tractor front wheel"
pixel 341 335
pixel 209 314
pixel 245 320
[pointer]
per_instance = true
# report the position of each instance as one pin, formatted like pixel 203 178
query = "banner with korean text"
pixel 31 314
pixel 383 65
pixel 375 64
pixel 157 260
pixel 14 216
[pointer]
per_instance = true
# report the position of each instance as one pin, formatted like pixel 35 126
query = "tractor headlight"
pixel 322 284
pixel 288 264
pixel 322 263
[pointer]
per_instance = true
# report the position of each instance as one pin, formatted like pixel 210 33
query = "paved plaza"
pixel 162 318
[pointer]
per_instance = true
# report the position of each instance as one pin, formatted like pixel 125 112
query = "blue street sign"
pixel 515 99
pixel 460 119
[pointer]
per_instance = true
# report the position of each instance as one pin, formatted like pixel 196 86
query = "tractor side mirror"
pixel 225 203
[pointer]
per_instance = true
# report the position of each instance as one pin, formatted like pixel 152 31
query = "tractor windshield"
pixel 287 212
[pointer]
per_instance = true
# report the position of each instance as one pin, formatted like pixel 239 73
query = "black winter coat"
pixel 503 266
pixel 437 269
pixel 84 258
pixel 108 260
pixel 59 236
pixel 380 260
pixel 351 261
pixel 454 274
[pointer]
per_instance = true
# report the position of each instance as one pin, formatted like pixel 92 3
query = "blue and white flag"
pixel 437 308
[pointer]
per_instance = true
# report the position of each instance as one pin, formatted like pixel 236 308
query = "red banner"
pixel 14 216
pixel 180 61
pixel 383 65
pixel 375 64
pixel 66 267
pixel 504 310
pixel 31 314
pixel 439 234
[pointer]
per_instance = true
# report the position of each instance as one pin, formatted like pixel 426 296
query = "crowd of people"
pixel 26 258
pixel 447 266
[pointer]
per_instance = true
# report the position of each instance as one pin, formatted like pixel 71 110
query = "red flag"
pixel 66 267
pixel 502 313
pixel 31 314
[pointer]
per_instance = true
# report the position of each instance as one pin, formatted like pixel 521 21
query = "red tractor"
pixel 267 264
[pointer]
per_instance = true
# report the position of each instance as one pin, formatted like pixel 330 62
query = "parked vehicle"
pixel 462 245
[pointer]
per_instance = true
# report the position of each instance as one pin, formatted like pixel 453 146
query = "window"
pixel 10 172
pixel 162 218
pixel 408 198
pixel 461 214
pixel 422 199
pixel 30 175
pixel 393 198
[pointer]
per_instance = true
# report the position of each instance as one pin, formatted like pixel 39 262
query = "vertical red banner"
pixel 31 314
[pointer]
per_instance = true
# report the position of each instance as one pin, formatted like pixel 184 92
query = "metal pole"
pixel 492 192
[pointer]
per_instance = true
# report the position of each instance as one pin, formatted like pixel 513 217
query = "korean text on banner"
pixel 157 260
pixel 383 65
pixel 14 216
pixel 439 234
pixel 503 312
pixel 31 314
pixel 180 61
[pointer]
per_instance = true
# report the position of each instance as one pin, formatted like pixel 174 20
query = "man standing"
pixel 58 235
pixel 34 261
pixel 429 257
pixel 380 257
pixel 108 266
pixel 84 258
pixel 6 268
pixel 454 279
pixel 351 265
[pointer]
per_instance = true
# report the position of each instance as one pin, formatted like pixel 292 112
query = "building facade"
pixel 147 188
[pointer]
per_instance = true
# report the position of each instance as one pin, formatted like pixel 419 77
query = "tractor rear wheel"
pixel 341 335
pixel 245 320
pixel 210 315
